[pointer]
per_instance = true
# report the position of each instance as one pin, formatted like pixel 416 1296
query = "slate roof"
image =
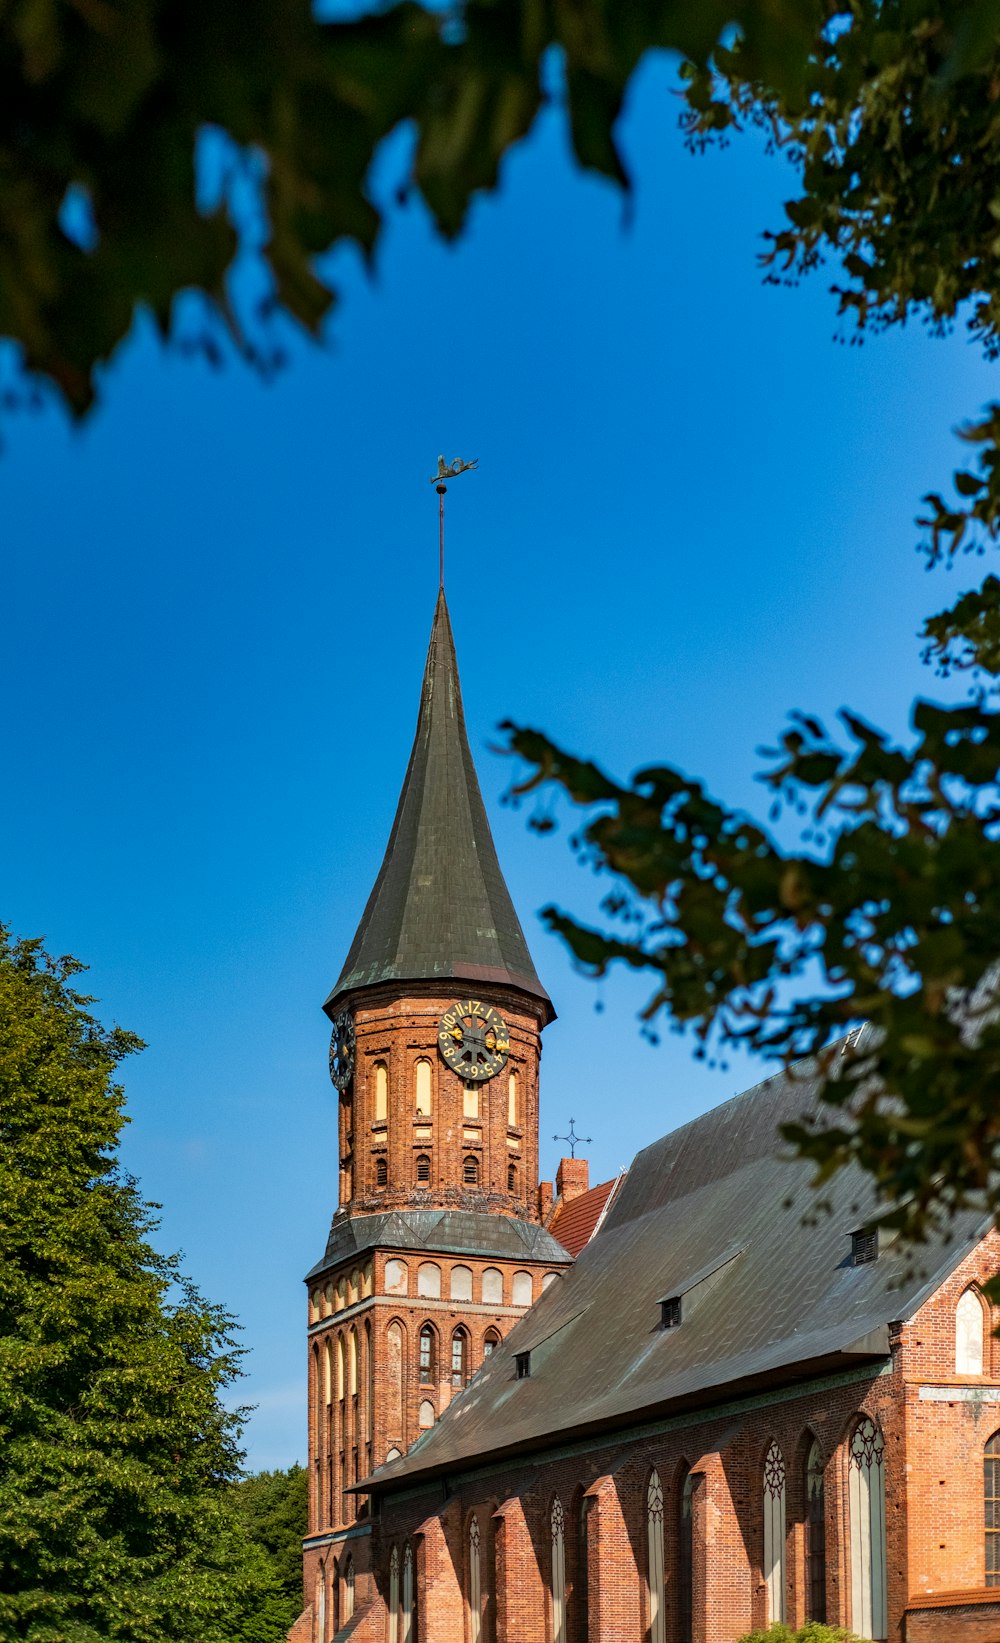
pixel 443 1231
pixel 440 908
pixel 767 1298
pixel 574 1223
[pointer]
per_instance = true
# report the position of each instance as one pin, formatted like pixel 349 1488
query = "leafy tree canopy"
pixel 273 1508
pixel 889 114
pixel 116 1455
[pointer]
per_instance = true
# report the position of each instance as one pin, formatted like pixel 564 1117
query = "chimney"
pixel 544 1202
pixel 572 1178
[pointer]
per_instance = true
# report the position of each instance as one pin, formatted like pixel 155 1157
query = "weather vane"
pixel 573 1140
pixel 447 471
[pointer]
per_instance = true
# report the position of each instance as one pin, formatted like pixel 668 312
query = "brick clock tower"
pixel 436 1248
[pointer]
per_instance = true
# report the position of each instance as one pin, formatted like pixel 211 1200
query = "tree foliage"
pixel 273 1508
pixel 116 1454
pixel 889 114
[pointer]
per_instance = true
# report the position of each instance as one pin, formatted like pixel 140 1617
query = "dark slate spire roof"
pixel 440 908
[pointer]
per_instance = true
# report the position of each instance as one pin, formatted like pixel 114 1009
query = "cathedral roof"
pixel 712 1219
pixel 440 909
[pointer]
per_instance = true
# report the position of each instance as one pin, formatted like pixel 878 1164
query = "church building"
pixel 669 1409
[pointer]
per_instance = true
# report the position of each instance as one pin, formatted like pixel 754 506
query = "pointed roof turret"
pixel 439 908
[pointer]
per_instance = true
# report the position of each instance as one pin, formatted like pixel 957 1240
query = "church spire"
pixel 439 907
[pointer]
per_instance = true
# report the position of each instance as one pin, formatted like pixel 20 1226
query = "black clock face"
pixel 342 1050
pixel 474 1040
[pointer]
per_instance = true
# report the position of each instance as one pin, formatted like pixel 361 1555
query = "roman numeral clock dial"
pixel 474 1040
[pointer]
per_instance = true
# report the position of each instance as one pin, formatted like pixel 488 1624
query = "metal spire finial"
pixel 447 471
pixel 573 1140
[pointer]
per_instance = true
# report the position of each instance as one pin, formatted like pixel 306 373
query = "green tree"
pixel 888 112
pixel 273 1509
pixel 116 1455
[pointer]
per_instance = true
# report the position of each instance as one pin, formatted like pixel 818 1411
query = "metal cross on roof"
pixel 573 1140
pixel 445 471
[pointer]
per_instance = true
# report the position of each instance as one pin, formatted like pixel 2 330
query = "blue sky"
pixel 694 511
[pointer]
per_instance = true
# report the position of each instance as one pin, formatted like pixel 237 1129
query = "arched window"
pixel 654 1552
pixel 558 1573
pixel 347 1606
pixel 969 1334
pixel 423 1167
pixel 815 1498
pixel 370 1381
pixel 521 1291
pixel 407 1615
pixel 991 1506
pixel 470 1170
pixel 512 1100
pixel 425 1415
pixel 866 1493
pixel 774 1533
pixel 352 1363
pixel 328 1370
pixel 475 1583
pixel 423 1089
pixel 381 1092
pixel 428 1356
pixel 393 1595
pixel 511 1177
pixel 395 1277
pixel 321 1600
pixel 492 1287
pixel 490 1343
pixel 381 1172
pixel 429 1280
pixel 393 1454
pixel 581 1585
pixel 326 1304
pixel 459 1358
pixel 461 1283
pixel 685 1561
pixel 340 1366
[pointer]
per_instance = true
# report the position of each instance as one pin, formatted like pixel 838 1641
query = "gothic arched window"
pixel 490 1343
pixel 428 1355
pixel 407 1630
pixel 512 1100
pixel 654 1554
pixel 774 1533
pixel 393 1595
pixel 969 1334
pixel 558 1573
pixel 866 1494
pixel 352 1363
pixel 991 1508
pixel 475 1583
pixel 423 1167
pixel 685 1561
pixel 459 1358
pixel 381 1092
pixel 423 1089
pixel 347 1607
pixel 470 1170
pixel 815 1498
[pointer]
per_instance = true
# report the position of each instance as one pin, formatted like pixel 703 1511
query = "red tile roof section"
pixel 574 1223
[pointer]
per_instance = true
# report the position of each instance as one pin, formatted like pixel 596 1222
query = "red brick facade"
pixel 935 1425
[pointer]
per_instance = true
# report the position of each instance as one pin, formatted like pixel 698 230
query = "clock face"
pixel 474 1040
pixel 342 1050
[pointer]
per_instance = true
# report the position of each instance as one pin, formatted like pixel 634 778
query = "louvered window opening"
pixel 670 1312
pixel 423 1167
pixel 864 1247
